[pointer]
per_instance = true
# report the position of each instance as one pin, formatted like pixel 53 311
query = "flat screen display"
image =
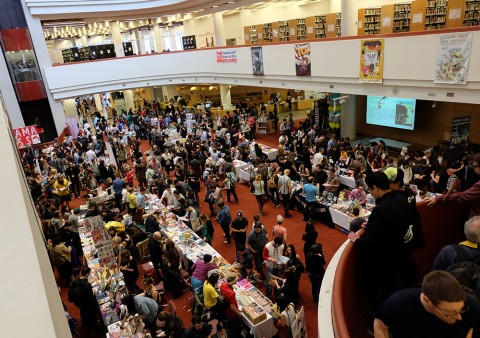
pixel 394 112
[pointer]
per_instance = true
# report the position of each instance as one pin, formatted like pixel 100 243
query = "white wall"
pixel 201 28
pixel 335 68
pixel 233 28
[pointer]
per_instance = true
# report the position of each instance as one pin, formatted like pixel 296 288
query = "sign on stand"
pixel 26 136
pixel 299 326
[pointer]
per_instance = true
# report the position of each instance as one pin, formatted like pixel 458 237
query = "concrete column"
pixel 84 40
pixel 141 43
pixel 31 269
pixel 157 33
pixel 157 94
pixel 225 96
pixel 117 38
pixel 170 91
pixel 349 10
pixel 218 29
pixel 348 124
pixel 128 96
pixel 44 62
pixel 99 105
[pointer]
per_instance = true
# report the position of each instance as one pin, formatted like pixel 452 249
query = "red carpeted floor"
pixel 331 240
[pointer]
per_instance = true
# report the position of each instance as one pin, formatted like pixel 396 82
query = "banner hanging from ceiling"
pixel 303 66
pixel 257 60
pixel 453 58
pixel 371 61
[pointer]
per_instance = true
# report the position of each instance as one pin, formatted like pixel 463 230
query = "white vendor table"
pixel 239 165
pixel 340 218
pixel 349 181
pixel 264 329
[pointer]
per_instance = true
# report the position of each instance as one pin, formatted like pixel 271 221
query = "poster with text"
pixel 299 326
pixel 303 64
pixel 453 58
pixel 371 61
pixel 257 60
pixel 460 129
pixel 227 55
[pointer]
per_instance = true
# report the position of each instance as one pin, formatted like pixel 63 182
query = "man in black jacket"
pixel 382 248
pixel 83 297
pixel 156 251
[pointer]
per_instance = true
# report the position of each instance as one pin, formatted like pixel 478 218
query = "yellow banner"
pixel 371 61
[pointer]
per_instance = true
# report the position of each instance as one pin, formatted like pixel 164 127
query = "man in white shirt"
pixel 91 155
pixel 317 159
pixel 167 197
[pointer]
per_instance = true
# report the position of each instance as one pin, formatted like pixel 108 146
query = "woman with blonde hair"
pixel 259 190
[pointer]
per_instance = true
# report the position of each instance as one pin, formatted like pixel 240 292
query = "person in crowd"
pixel 149 290
pixel 441 308
pixel 309 237
pixel 259 191
pixel 289 288
pixel 382 247
pixel 61 189
pixel 167 198
pixel 146 307
pixel 210 296
pixel 256 241
pixel 81 293
pixel 168 326
pixel 333 182
pixel 200 271
pixel 311 192
pixel 287 315
pixel 279 230
pixel 238 228
pixel 315 268
pixel 208 229
pixel 466 250
pixel 285 190
pixel 233 181
pixel 359 195
pixel 272 185
pixel 251 275
pixel 357 221
pixel 232 311
pixel 272 255
pixel 155 249
pixel 225 219
pixel 243 257
pixel 172 265
pixel 470 196
pixel 61 258
pixel 294 261
pixel 129 268
pixel 132 202
pixel 199 329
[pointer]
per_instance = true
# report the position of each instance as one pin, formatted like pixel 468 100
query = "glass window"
pixel 23 65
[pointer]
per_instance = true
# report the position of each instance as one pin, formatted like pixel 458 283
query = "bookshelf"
pixel 435 14
pixel 283 31
pixel 301 29
pixel 372 21
pixel 189 42
pixel 320 27
pixel 401 17
pixel 265 127
pixel 292 27
pixel 471 13
pixel 338 24
pixel 267 32
pixel 253 34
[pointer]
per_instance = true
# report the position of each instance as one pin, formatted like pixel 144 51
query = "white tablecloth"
pixel 269 151
pixel 265 329
pixel 349 181
pixel 238 165
pixel 340 218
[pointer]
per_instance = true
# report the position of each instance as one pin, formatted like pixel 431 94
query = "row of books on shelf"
pixel 402 8
pixel 436 3
pixel 436 11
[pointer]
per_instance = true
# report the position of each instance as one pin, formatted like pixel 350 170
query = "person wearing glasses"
pixel 470 196
pixel 441 308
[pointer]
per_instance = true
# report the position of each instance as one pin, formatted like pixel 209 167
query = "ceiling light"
pixel 215 6
pixel 193 88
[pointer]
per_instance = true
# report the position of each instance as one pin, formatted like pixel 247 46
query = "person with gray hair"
pixel 449 254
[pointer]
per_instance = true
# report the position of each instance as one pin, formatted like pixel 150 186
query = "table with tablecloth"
pixel 269 151
pixel 341 218
pixel 239 166
pixel 348 181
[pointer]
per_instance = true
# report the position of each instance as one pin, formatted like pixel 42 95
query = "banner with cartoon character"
pixel 453 58
pixel 303 65
pixel 257 60
pixel 371 61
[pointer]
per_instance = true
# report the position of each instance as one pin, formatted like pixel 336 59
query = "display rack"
pixel 401 17
pixel 189 42
pixel 265 127
pixel 283 31
pixel 253 34
pixel 320 27
pixel 372 21
pixel 301 29
pixel 472 13
pixel 436 14
pixel 267 32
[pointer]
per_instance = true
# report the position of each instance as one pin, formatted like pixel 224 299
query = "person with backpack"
pixel 463 260
pixel 81 294
pixel 232 180
pixel 208 229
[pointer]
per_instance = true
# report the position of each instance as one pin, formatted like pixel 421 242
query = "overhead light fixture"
pixel 211 87
pixel 434 104
pixel 193 88
pixel 215 6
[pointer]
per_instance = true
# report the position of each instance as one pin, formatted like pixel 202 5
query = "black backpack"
pixel 467 271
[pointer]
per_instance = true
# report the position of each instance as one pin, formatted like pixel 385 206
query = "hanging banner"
pixel 228 55
pixel 299 326
pixel 460 129
pixel 26 136
pixel 453 58
pixel 371 61
pixel 302 59
pixel 257 60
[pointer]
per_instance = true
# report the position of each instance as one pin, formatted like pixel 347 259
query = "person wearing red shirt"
pixel 232 311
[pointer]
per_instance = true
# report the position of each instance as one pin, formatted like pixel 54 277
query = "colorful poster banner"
pixel 26 136
pixel 460 129
pixel 303 65
pixel 228 55
pixel 453 58
pixel 371 61
pixel 299 326
pixel 257 60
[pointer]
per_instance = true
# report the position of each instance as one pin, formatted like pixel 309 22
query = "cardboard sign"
pixel 26 136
